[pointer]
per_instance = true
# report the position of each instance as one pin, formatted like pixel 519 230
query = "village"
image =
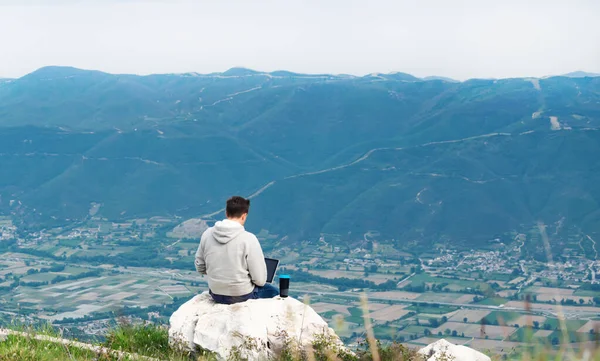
pixel 86 276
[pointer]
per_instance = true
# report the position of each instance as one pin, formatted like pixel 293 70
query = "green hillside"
pixel 408 158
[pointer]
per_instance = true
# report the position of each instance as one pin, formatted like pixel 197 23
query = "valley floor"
pixel 491 300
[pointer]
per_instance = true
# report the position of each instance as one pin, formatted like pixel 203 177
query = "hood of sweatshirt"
pixel 226 230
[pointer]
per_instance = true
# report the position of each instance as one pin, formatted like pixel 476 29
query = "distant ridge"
pixel 284 73
pixel 66 71
pixel 240 72
pixel 396 76
pixel 401 76
pixel 442 78
pixel 60 71
pixel 434 155
pixel 581 74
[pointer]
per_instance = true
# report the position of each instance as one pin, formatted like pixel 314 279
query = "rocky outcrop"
pixel 443 350
pixel 253 330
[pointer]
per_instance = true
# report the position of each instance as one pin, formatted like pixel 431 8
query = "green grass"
pixel 499 277
pixel 415 329
pixel 432 310
pixel 39 277
pixel 460 283
pixel 147 340
pixel 523 334
pixel 423 277
pixel 385 332
pixel 329 314
pixel 526 335
pixel 75 271
pixel 356 315
pixel 501 317
pixel 571 324
pixel 585 293
pixel 152 340
pixel 572 336
pixel 493 301
pixel 17 348
pixel 70 243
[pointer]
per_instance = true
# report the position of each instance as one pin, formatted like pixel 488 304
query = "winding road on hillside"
pixel 365 157
pixel 375 150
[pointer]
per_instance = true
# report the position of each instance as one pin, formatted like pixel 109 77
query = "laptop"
pixel 272 265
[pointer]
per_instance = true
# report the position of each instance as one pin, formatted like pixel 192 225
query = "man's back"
pixel 232 258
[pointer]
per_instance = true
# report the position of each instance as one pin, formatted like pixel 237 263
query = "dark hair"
pixel 236 206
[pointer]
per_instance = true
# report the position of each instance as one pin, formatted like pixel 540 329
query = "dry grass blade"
pixel 364 302
pixel 559 309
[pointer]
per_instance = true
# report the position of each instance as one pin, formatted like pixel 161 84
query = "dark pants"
pixel 267 291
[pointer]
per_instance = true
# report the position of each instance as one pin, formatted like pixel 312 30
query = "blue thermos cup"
pixel 284 285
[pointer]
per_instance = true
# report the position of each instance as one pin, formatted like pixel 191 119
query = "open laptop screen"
pixel 271 268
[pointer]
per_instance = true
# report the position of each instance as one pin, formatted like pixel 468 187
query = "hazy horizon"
pixel 461 39
pixel 291 70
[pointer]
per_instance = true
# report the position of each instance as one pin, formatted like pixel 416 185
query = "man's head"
pixel 237 209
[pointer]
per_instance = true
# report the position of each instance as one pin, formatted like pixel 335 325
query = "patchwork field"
pixel 394 295
pixel 432 301
pixel 591 325
pixel 475 330
pixel 496 346
pixel 80 298
pixel 376 306
pixel 457 298
pixel 506 293
pixel 321 307
pixel 516 280
pixel 547 294
pixel 552 291
pixel 502 318
pixel 338 274
pixel 528 320
pixel 376 278
pixel 477 343
pixel 389 313
pixel 543 333
pixel 39 277
pixel 548 307
pixel 472 316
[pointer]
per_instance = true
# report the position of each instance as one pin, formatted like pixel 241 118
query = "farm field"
pixel 473 316
pixel 590 325
pixel 395 295
pixel 116 287
pixel 82 283
pixel 476 330
pixel 591 310
pixel 390 313
pixel 376 278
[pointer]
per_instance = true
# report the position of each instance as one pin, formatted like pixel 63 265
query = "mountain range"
pixel 407 158
pixel 581 74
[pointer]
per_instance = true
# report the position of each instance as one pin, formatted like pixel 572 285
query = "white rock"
pixel 257 329
pixel 444 350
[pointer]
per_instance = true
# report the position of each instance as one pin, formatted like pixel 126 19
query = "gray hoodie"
pixel 231 258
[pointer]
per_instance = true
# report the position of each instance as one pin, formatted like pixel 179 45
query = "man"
pixel 232 258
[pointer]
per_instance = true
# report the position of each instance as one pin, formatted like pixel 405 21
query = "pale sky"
pixel 459 39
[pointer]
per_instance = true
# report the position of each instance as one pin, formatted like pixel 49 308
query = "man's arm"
pixel 256 263
pixel 199 260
